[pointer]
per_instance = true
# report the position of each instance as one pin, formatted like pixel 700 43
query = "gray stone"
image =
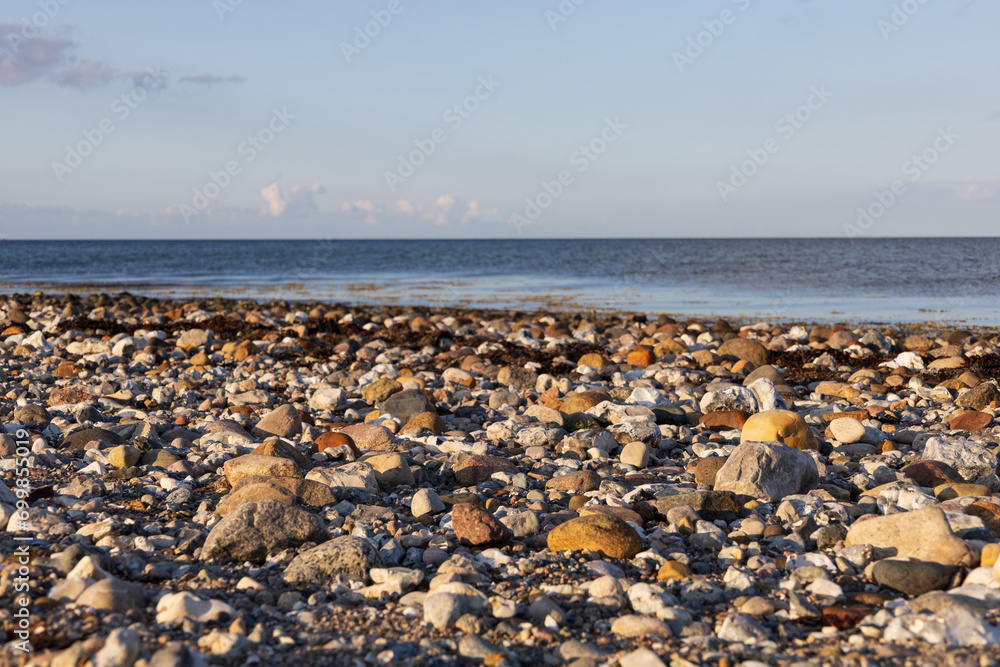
pixel 282 422
pixel 912 577
pixel 426 501
pixel 742 628
pixel 405 405
pixel 767 470
pixel 729 398
pixel 969 459
pixel 258 529
pixel 348 555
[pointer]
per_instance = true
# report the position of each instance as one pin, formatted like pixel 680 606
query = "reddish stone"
pixel 479 468
pixel 329 440
pixel 580 481
pixel 931 473
pixel 971 421
pixel 988 512
pixel 845 617
pixel 641 356
pixel 68 396
pixel 476 527
pixel 706 469
pixel 725 420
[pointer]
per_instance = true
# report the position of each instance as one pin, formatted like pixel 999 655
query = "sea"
pixel 860 280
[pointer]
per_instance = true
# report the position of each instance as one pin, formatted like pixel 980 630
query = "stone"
pixel 175 608
pixel 923 534
pixel 729 399
pixel 724 420
pixel 391 470
pixel 743 629
pixel 380 390
pixel 912 577
pixel 673 570
pixel 641 356
pixel 425 421
pixel 113 595
pixel 973 422
pixel 784 426
pixel 282 422
pixel 280 448
pixel 306 491
pixel 931 474
pixel 480 467
pixel 969 459
pixel 253 492
pixel 577 482
pixel 641 657
pixel 743 348
pixel 710 505
pixel 259 464
pixel 121 649
pixel 193 338
pixel 258 529
pixel 124 456
pixel 405 405
pixel 593 360
pixel 426 501
pixel 767 470
pixel 68 396
pixel 348 555
pixel 327 398
pixel 372 437
pixel 442 609
pixel 634 625
pixel 32 415
pixel 982 396
pixel 518 377
pixel 79 439
pixel 599 533
pixel 847 430
pixel 583 401
pixel 635 454
pixel 332 440
pixel 707 468
pixel 476 527
pixel 952 491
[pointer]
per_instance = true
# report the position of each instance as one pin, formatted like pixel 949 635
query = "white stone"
pixel 177 607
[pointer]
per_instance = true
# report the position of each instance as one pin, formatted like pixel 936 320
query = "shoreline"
pixel 314 483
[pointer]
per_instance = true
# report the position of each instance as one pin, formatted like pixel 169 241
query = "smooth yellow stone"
pixel 672 570
pixel 784 426
pixel 989 555
pixel 950 491
pixel 372 415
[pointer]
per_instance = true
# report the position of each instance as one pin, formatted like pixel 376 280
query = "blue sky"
pixel 246 119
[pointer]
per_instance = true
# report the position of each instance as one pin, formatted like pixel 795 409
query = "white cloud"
pixel 438 213
pixel 404 206
pixel 299 201
pixel 474 212
pixel 364 208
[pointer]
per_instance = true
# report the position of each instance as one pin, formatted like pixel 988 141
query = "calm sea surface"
pixel 877 280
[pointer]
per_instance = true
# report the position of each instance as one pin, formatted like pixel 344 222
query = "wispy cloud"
pixel 212 79
pixel 30 59
pixel 86 74
pixel 447 209
pixel 976 191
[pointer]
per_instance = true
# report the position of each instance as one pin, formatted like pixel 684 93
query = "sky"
pixel 523 118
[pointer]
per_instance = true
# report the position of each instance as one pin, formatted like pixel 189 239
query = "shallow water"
pixel 884 280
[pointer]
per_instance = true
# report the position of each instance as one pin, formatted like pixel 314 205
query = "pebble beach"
pixel 234 482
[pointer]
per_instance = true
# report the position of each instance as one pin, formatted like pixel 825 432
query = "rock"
pixel 783 426
pixel 112 595
pixel 254 492
pixel 124 456
pixel 175 608
pixel 426 501
pixel 768 395
pixel 306 491
pixel 281 422
pixel 577 482
pixel 969 459
pixel 79 439
pixel 32 415
pixel 974 422
pixel 442 609
pixel 641 356
pixel 931 474
pixel 193 338
pixel 847 430
pixel 372 437
pixel 583 401
pixel 922 534
pixel 707 468
pixel 743 629
pixel 425 421
pixel 724 420
pixel 633 625
pixel 405 405
pixel 518 377
pixel 391 470
pixel 68 396
pixel 479 468
pixel 672 571
pixel 258 529
pixel 380 390
pixel 981 396
pixel 743 348
pixel 730 399
pixel 331 440
pixel 348 555
pixel 641 657
pixel 600 533
pixel 635 454
pixel 280 448
pixel 710 505
pixel 476 527
pixel 767 470
pixel 121 649
pixel 327 398
pixel 259 464
pixel 912 577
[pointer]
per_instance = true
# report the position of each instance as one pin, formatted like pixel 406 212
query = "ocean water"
pixel 853 280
